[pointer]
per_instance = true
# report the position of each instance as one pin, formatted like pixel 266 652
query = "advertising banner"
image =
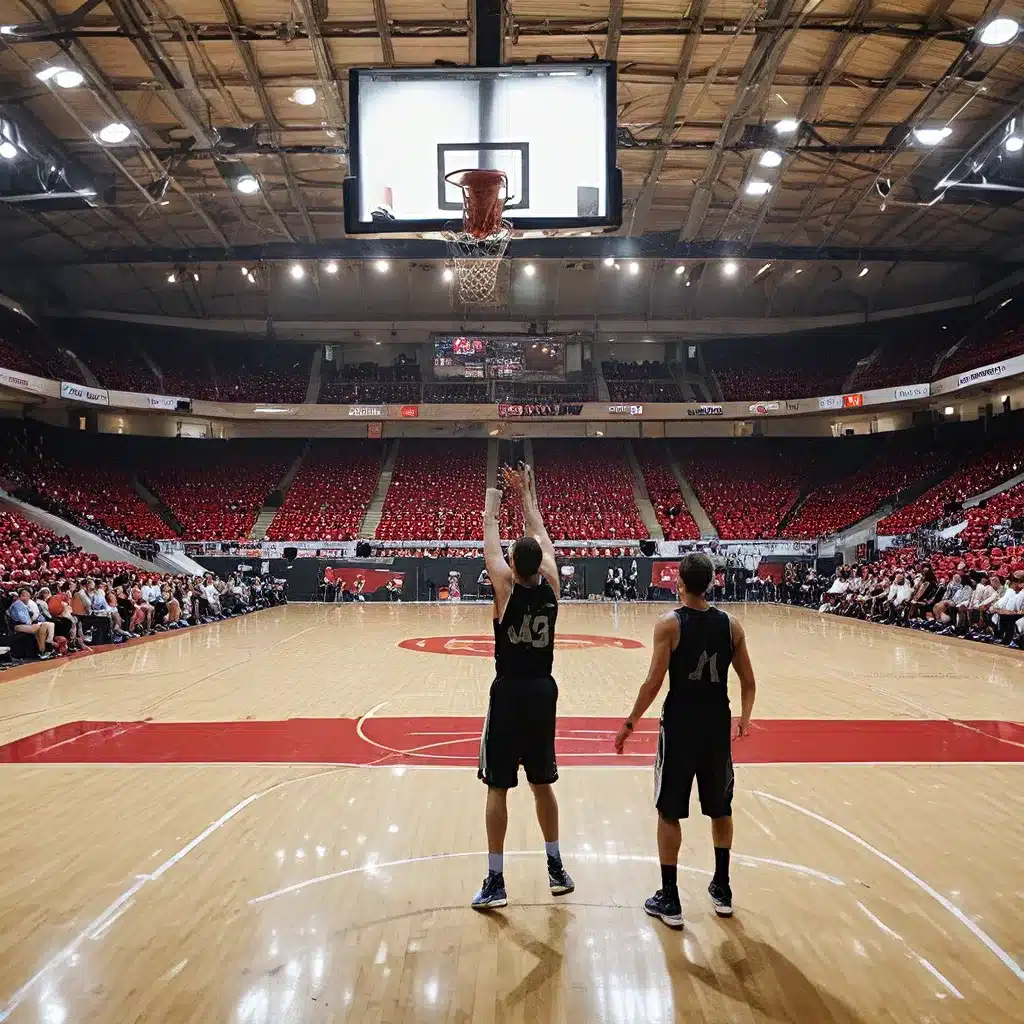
pixel 163 402
pixel 706 410
pixel 372 579
pixel 82 393
pixel 27 382
pixel 994 371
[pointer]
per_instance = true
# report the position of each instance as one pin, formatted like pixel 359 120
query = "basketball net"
pixel 477 252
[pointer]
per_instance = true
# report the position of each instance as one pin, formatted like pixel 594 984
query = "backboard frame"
pixel 352 188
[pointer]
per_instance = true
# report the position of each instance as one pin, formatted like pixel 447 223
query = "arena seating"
pixel 907 358
pixel 368 382
pixel 216 488
pixel 455 391
pixel 437 492
pixel 26 349
pixel 263 373
pixel 186 366
pixel 585 491
pixel 1008 504
pixel 663 491
pixel 639 381
pixel 849 498
pixel 116 362
pixel 31 553
pixel 1001 339
pixel 746 487
pixel 544 391
pixel 330 493
pixel 770 368
pixel 978 474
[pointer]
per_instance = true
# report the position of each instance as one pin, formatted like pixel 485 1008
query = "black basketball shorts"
pixel 519 730
pixel 681 757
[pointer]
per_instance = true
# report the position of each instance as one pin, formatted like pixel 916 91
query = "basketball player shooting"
pixel 520 723
pixel 695 644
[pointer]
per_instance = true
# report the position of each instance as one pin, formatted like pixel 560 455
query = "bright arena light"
pixel 863 272
pixel 758 188
pixel 634 268
pixel 681 269
pixel 786 126
pixel 331 267
pixel 382 266
pixel 448 274
pixel 305 97
pixel 114 133
pixel 47 73
pixel 298 271
pixel 932 136
pixel 949 410
pixel 8 150
pixel 999 31
pixel 609 261
pixel 69 79
pixel 730 268
pixel 245 271
pixel 769 158
pixel 1014 144
pixel 529 270
pixel 172 278
pixel 247 184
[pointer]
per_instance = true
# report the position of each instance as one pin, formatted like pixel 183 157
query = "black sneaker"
pixel 558 878
pixel 721 899
pixel 492 893
pixel 665 904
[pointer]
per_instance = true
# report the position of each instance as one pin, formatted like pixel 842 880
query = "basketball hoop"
pixel 478 250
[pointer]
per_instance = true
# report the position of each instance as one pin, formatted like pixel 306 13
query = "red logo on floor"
pixel 480 646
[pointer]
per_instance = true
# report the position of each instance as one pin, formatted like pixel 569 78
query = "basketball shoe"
pixel 492 893
pixel 721 899
pixel 665 904
pixel 558 878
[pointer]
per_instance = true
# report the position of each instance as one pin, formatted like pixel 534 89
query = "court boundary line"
pixel 373 867
pixel 946 904
pixel 739 765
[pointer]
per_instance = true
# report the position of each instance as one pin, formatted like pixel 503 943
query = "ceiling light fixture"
pixel 932 136
pixel 799 270
pixel 47 73
pixel 949 410
pixel 298 271
pixel 252 280
pixel 114 133
pixel 786 126
pixel 769 158
pixel 6 30
pixel 730 268
pixel 529 270
pixel 331 267
pixel 609 261
pixel 758 188
pixel 69 79
pixel 999 31
pixel 164 202
pixel 245 271
pixel 172 278
pixel 382 266
pixel 305 97
pixel 8 150
pixel 863 272
pixel 767 266
pixel 448 274
pixel 634 268
pixel 247 184
pixel 1014 144
pixel 681 269
pixel 195 276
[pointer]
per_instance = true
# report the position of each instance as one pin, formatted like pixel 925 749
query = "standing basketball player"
pixel 520 724
pixel 696 643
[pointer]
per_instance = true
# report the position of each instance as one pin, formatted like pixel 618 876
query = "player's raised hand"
pixel 513 480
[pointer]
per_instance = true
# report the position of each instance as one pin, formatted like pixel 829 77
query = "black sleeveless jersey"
pixel 524 639
pixel 698 671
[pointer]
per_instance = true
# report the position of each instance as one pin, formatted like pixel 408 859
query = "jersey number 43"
pixel 534 631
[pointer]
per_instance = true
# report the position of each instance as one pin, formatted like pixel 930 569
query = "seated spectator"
pixel 22 622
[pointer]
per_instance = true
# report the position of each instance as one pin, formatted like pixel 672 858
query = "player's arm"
pixel 666 635
pixel 497 567
pixel 745 671
pixel 534 524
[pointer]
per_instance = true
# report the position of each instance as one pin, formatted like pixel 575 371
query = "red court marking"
pixel 455 741
pixel 481 645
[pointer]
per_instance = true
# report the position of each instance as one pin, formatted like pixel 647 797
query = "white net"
pixel 479 268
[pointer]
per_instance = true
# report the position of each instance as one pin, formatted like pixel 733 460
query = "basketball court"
pixel 277 818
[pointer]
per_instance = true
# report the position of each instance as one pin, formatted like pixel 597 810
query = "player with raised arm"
pixel 520 723
pixel 695 644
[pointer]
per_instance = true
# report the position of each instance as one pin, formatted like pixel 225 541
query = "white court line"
pixel 982 935
pixel 606 858
pixel 926 964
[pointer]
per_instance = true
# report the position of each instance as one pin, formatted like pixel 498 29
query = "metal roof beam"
pixel 614 31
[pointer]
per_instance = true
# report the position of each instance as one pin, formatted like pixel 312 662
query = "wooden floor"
pixel 274 819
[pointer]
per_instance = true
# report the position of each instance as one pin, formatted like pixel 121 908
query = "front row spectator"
pixel 22 620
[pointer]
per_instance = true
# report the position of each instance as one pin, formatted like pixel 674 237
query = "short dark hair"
pixel 526 557
pixel 696 572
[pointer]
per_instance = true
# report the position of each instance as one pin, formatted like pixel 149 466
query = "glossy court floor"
pixel 277 819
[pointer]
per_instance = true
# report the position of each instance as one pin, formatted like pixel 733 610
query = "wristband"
pixel 628 724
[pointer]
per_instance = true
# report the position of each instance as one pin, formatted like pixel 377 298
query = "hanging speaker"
pixel 648 547
pixel 291 554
